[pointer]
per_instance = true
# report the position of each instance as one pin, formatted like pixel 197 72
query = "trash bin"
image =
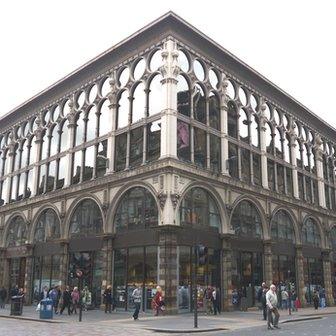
pixel 46 309
pixel 16 305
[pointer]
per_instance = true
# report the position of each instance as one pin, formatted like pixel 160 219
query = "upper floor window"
pixel 17 232
pixel 311 233
pixel 282 227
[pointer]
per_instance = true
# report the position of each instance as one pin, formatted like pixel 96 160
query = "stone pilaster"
pixel 300 275
pixel 167 267
pixel 327 277
pixel 64 264
pixel 293 161
pixel 268 275
pixel 224 98
pixel 226 274
pixel 3 268
pixel 37 155
pixel 319 171
pixel 169 71
pixel 264 172
pixel 28 283
pixel 71 140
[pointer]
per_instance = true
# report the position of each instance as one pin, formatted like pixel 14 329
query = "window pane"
pixel 51 176
pixel 136 147
pixel 89 163
pixel 232 120
pixel 102 158
pixel 62 170
pixel 233 160
pixel 256 169
pixel 271 174
pixel 77 165
pixel 199 104
pixel 54 141
pixel 153 141
pixel 245 165
pixel 280 176
pixel 80 130
pixel 65 136
pixel 120 151
pixel 105 119
pixel 200 147
pixel 183 141
pixel 243 126
pixel 139 101
pixel 214 111
pixel 183 96
pixel 156 102
pixel 123 110
pixel 215 152
pixel 91 124
pixel 14 188
pixel 29 183
pixel 22 181
pixel 42 179
pixel 33 149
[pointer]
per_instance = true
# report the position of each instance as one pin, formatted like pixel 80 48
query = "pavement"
pixel 182 323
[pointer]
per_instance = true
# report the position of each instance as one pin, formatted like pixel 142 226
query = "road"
pixel 8 327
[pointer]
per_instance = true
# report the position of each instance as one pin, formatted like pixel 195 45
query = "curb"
pixel 185 331
pixel 300 319
pixel 29 319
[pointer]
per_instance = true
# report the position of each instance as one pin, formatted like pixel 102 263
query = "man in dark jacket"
pixel 108 299
pixel 3 296
pixel 66 300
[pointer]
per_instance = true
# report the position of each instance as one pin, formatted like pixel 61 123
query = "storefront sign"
pixel 17 251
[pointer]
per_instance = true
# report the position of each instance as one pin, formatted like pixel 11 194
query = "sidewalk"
pixel 176 323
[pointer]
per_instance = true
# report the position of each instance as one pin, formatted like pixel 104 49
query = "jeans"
pixel 284 304
pixel 137 309
pixel 274 311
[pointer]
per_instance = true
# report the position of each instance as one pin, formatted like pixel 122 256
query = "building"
pixel 163 142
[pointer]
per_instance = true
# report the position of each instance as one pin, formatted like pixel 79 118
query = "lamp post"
pixel 289 294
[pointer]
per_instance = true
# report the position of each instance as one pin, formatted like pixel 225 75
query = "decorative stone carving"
pixel 112 96
pixel 162 199
pixel 175 197
pixel 170 69
pixel 72 115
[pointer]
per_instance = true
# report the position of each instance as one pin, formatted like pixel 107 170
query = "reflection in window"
pixel 183 96
pixel 200 147
pixel 136 147
pixel 243 126
pixel 282 227
pixel 215 153
pixel 51 176
pixel 245 165
pixel 199 104
pixel 42 179
pixel 123 110
pixel 271 174
pixel 76 169
pixel 311 233
pixel 137 209
pixel 232 120
pixel 214 111
pixel 153 141
pixel 86 220
pixel 155 100
pixel 246 220
pixel 105 118
pixel 233 160
pixel 120 151
pixel 47 227
pixel 91 124
pixel 17 232
pixel 62 171
pixel 32 152
pixel 80 130
pixel 254 131
pixel 89 163
pixel 281 178
pixel 183 141
pixel 64 136
pixel 102 158
pixel 54 141
pixel 30 186
pixel 256 169
pixel 198 208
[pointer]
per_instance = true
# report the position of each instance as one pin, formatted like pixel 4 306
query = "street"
pixel 324 326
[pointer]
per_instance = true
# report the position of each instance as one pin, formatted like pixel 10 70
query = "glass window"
pixel 86 220
pixel 51 176
pixel 233 160
pixel 198 208
pixel 199 104
pixel 32 152
pixel 271 174
pixel 136 147
pixel 14 188
pixel 17 232
pixel 311 233
pixel 214 111
pixel 123 110
pixel 77 167
pixel 243 126
pixel 153 141
pixel 155 99
pixel 105 119
pixel 80 130
pixel 91 124
pixel 200 147
pixel 183 141
pixel 139 103
pixel 245 165
pixel 30 184
pixel 281 178
pixel 136 210
pixel 54 141
pixel 232 120
pixel 256 169
pixel 24 154
pixel 255 131
pixel 102 158
pixel 89 163
pixel 282 227
pixel 45 146
pixel 120 151
pixel 246 220
pixel 42 179
pixel 65 136
pixel 47 226
pixel 22 181
pixel 215 153
pixel 62 171
pixel 183 96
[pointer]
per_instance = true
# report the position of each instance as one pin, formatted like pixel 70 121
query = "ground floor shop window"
pixel 283 269
pixel 17 271
pixel 208 275
pixel 46 273
pixel 135 267
pixel 313 277
pixel 247 276
pixel 91 264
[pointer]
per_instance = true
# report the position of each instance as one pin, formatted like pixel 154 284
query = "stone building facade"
pixel 164 142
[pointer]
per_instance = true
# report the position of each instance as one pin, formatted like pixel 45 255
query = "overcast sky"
pixel 292 43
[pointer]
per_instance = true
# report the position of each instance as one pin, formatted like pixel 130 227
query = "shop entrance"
pixel 17 271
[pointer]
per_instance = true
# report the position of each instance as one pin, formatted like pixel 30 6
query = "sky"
pixel 292 43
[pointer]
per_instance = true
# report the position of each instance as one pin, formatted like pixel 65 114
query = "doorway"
pixel 17 271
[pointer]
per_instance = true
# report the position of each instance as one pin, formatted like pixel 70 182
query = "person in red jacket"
pixel 157 302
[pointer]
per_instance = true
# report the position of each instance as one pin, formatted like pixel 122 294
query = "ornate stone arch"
pixel 121 192
pixel 37 216
pixel 320 227
pixel 73 207
pixel 256 203
pixel 332 227
pixel 291 214
pixel 8 222
pixel 216 196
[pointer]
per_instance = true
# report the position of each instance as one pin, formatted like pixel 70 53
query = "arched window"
pixel 64 136
pixel 286 149
pixel 214 111
pixel 17 232
pixel 139 103
pixel 123 110
pixel 80 129
pixel 298 153
pixel 199 104
pixel 269 139
pixel 54 141
pixel 232 120
pixel 255 131
pixel 104 118
pixel 183 96
pixel 47 227
pixel 91 124
pixel 310 233
pixel 86 220
pixel 278 143
pixel 282 227
pixel 155 101
pixel 198 208
pixel 305 158
pixel 333 238
pixel 246 220
pixel 32 151
pixel 136 210
pixel 243 126
pixel 24 154
pixel 45 146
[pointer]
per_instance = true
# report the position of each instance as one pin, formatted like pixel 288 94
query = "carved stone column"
pixel 167 267
pixel 3 268
pixel 300 275
pixel 37 155
pixel 226 273
pixel 224 126
pixel 28 284
pixel 264 172
pixel 327 277
pixel 293 161
pixel 319 171
pixel 64 264
pixel 268 270
pixel 169 71
pixel 71 139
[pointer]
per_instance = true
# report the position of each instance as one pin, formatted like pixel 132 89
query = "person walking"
pixel 3 297
pixel 284 299
pixel 86 298
pixel 215 301
pixel 66 300
pixel 263 300
pixel 157 302
pixel 54 296
pixel 316 299
pixel 209 301
pixel 44 294
pixel 272 303
pixel 108 299
pixel 136 295
pixel 75 300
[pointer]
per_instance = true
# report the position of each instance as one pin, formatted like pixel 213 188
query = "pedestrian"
pixel 209 300
pixel 316 299
pixel 66 298
pixel 272 302
pixel 3 297
pixel 235 299
pixel 75 300
pixel 216 301
pixel 108 299
pixel 44 294
pixel 136 295
pixel 284 299
pixel 157 302
pixel 294 300
pixel 263 300
pixel 322 297
pixel 86 298
pixel 54 296
pixel 14 291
